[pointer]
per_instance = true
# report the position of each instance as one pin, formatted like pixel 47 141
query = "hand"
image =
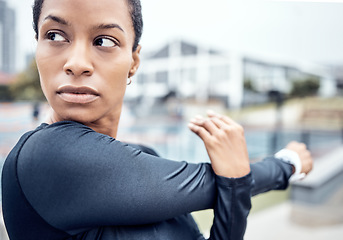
pixel 225 144
pixel 304 155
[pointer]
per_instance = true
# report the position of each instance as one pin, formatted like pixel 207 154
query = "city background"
pixel 276 67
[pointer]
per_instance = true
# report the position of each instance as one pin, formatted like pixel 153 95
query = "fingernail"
pixel 193 120
pixel 210 112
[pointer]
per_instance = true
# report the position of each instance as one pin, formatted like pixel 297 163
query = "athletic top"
pixel 66 181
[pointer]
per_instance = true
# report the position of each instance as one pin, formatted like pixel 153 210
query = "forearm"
pixel 233 204
pixel 231 208
pixel 270 174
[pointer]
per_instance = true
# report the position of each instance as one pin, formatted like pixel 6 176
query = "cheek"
pixel 49 59
pixel 41 71
pixel 47 69
pixel 116 75
pixel 116 84
pixel 42 60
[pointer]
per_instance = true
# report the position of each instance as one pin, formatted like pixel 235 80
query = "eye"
pixel 54 36
pixel 105 42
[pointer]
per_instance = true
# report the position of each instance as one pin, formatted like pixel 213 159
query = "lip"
pixel 79 95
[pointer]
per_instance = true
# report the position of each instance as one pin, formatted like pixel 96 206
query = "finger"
pixel 198 119
pixel 228 120
pixel 212 113
pixel 218 122
pixel 300 145
pixel 303 146
pixel 224 118
pixel 207 124
pixel 200 131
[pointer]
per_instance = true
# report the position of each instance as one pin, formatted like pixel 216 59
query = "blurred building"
pixel 190 71
pixel 263 75
pixel 7 38
pixel 187 71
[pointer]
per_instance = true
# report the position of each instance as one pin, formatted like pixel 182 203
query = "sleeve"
pixel 231 207
pixel 78 179
pixel 233 203
pixel 270 174
pixel 230 213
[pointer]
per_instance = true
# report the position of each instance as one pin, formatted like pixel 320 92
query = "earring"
pixel 129 81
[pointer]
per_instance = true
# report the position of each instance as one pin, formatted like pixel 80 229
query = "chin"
pixel 79 115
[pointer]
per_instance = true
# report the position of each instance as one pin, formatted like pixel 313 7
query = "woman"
pixel 71 179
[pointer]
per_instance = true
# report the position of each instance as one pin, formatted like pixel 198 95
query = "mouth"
pixel 79 95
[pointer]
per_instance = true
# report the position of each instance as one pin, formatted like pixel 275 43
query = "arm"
pixel 230 213
pixel 225 144
pixel 274 173
pixel 76 179
pixel 270 174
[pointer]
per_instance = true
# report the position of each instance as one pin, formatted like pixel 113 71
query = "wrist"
pixel 292 158
pixel 231 171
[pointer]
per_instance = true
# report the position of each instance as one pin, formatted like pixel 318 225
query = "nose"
pixel 79 61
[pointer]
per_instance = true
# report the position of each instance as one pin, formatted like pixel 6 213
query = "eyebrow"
pixel 101 26
pixel 109 26
pixel 57 19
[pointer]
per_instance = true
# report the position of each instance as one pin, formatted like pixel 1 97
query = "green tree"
pixel 5 94
pixel 27 86
pixel 249 85
pixel 307 86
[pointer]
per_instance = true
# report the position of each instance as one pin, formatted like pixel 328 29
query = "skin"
pixel 304 155
pixel 84 59
pixel 94 52
pixel 225 142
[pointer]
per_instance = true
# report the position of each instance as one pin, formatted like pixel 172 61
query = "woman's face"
pixel 84 57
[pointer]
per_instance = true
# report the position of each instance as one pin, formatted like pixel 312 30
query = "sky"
pixel 288 30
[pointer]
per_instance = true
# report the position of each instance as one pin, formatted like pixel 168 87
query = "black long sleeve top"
pixel 66 181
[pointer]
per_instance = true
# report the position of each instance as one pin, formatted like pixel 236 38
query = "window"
pixel 220 72
pixel 162 77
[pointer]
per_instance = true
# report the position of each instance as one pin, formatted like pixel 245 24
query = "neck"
pixel 107 126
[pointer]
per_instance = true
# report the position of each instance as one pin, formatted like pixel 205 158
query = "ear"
pixel 135 61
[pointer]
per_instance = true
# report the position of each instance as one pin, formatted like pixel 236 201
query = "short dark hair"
pixel 135 10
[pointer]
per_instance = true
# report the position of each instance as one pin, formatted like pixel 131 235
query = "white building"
pixel 190 71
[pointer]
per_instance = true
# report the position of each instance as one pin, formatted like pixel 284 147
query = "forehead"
pixel 88 12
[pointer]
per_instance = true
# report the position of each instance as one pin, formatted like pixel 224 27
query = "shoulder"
pixel 58 146
pixel 144 149
pixel 70 146
pixel 61 137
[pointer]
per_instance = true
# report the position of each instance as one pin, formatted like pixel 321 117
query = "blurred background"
pixel 276 67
